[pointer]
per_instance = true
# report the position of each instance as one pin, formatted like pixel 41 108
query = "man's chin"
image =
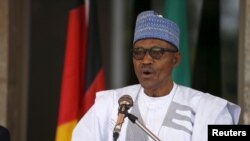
pixel 147 85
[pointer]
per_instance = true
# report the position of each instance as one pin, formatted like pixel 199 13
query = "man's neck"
pixel 158 92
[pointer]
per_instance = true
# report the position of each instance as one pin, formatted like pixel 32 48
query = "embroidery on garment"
pixel 134 133
pixel 178 114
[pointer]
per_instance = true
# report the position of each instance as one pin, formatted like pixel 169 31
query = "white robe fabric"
pixel 183 115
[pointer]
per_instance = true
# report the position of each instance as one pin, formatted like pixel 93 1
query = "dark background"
pixel 48 26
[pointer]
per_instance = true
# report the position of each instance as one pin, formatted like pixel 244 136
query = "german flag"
pixel 83 74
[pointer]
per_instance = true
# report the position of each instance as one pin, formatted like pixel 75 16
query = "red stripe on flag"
pixel 73 70
pixel 89 97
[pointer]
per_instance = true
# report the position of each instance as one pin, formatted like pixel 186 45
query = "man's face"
pixel 155 73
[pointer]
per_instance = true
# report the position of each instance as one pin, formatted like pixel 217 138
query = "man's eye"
pixel 140 49
pixel 138 52
pixel 156 49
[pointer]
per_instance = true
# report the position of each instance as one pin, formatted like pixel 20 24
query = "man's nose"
pixel 147 59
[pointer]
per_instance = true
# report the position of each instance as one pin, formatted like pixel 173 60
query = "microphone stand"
pixel 134 119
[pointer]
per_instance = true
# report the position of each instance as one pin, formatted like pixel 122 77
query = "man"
pixel 170 111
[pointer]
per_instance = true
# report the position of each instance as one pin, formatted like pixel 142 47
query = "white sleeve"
pixel 212 111
pixel 229 114
pixel 224 117
pixel 85 128
pixel 95 125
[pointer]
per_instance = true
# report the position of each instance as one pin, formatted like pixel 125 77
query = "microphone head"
pixel 126 100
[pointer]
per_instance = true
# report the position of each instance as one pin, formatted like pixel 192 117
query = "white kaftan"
pixel 182 115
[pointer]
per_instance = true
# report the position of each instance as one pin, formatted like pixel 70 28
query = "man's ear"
pixel 177 58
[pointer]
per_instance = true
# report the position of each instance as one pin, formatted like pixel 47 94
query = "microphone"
pixel 125 102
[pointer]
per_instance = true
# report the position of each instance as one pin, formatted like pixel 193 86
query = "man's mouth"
pixel 147 73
